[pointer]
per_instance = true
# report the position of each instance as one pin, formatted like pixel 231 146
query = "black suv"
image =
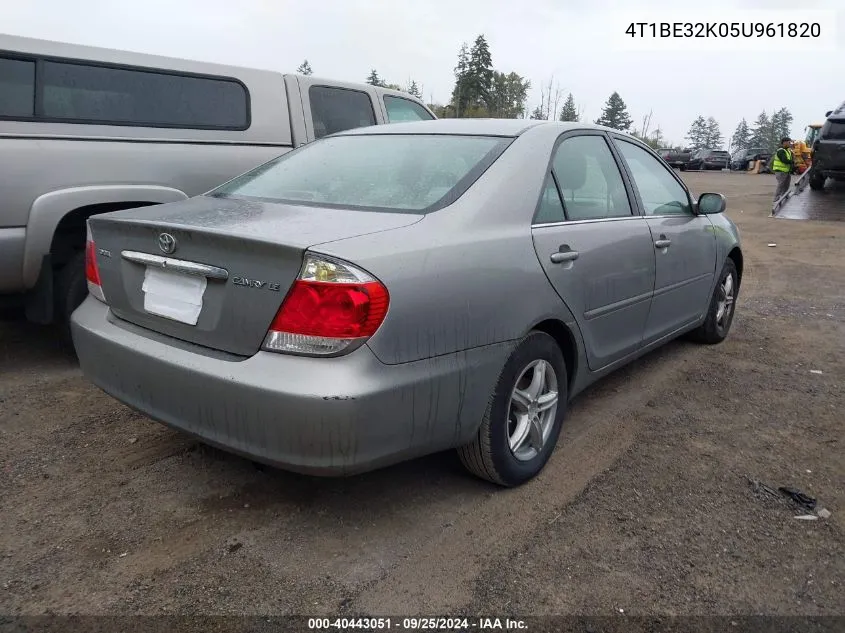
pixel 740 160
pixel 829 150
pixel 709 159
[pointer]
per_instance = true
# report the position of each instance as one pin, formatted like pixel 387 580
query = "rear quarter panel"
pixel 467 275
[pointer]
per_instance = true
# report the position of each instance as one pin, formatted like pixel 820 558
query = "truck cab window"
pixel 338 109
pixel 399 109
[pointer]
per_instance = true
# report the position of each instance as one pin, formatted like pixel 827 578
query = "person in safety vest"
pixel 783 164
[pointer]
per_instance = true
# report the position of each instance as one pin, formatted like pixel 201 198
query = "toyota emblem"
pixel 167 243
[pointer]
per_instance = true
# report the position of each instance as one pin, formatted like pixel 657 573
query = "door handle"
pixel 662 243
pixel 564 256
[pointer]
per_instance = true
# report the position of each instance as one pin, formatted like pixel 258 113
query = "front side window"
pixel 117 96
pixel 17 87
pixel 338 109
pixel 388 172
pixel 589 179
pixel 660 193
pixel 399 109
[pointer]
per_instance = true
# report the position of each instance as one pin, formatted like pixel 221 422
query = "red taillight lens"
pixel 329 307
pixel 92 271
pixel 332 310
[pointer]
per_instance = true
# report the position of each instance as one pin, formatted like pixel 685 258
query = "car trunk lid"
pixel 214 271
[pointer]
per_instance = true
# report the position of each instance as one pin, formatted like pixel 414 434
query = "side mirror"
pixel 710 203
pixel 828 113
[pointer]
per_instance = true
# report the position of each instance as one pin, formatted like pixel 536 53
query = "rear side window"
pixel 338 109
pixel 17 87
pixel 399 109
pixel 589 180
pixel 413 173
pixel 833 130
pixel 94 94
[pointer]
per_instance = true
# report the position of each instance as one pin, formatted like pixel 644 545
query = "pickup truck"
pixel 89 130
pixel 675 157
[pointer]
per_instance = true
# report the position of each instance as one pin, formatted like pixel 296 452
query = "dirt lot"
pixel 645 507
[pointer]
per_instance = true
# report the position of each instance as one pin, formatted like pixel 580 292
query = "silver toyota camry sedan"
pixel 393 291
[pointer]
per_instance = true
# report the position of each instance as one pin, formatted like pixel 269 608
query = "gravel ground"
pixel 648 507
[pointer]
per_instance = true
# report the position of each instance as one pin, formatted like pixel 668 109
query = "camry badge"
pixel 167 243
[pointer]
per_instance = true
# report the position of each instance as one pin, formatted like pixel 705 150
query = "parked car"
pixel 741 159
pixel 705 159
pixel 393 291
pixel 676 158
pixel 829 150
pixel 87 130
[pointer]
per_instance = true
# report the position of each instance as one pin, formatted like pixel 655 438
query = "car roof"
pixel 470 127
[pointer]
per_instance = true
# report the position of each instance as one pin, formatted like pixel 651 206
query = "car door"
pixel 595 251
pixel 684 243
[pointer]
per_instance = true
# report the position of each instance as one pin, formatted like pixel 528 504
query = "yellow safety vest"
pixel 778 165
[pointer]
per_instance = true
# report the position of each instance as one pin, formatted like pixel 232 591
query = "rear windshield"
pixel 834 130
pixel 719 154
pixel 412 173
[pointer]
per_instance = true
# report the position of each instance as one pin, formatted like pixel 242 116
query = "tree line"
pixel 482 91
pixel 766 131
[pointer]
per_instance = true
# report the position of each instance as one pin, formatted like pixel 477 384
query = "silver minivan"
pixel 88 130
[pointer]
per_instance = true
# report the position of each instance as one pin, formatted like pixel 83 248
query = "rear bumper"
pixel 317 416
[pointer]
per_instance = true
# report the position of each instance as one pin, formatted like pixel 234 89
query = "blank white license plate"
pixel 173 295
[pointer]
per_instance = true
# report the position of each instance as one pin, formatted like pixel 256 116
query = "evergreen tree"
pixel 569 112
pixel 304 68
pixel 461 92
pixel 780 123
pixel 615 114
pixel 414 90
pixel 538 114
pixel 480 73
pixel 697 135
pixel 742 136
pixel 761 133
pixel 714 139
pixel 374 79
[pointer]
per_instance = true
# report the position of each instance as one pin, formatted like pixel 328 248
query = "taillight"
pixel 92 271
pixel 331 306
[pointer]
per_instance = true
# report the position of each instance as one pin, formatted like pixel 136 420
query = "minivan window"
pixel 399 109
pixel 388 172
pixel 339 109
pixel 17 87
pixel 117 96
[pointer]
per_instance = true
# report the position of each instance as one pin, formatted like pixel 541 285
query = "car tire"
pixel 722 307
pixel 816 180
pixel 683 167
pixel 71 289
pixel 496 453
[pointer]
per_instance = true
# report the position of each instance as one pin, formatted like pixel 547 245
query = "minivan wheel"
pixel 720 314
pixel 522 423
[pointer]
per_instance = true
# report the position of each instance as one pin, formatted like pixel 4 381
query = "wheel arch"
pixel 735 254
pixel 565 339
pixel 55 217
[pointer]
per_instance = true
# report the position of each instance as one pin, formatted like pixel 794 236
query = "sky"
pixel 578 45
